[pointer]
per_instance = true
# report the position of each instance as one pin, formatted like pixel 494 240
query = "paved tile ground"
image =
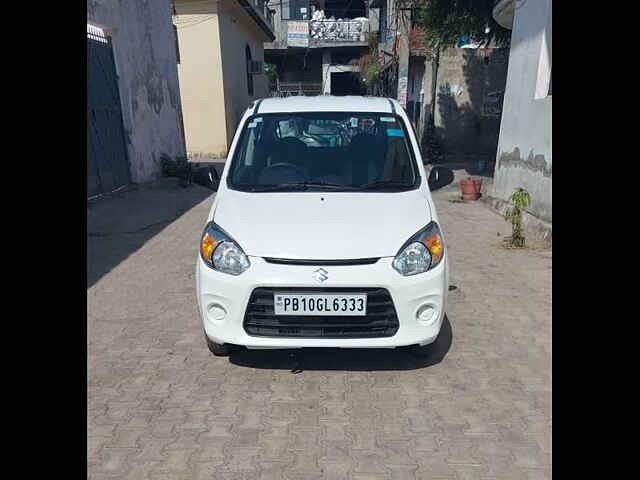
pixel 162 408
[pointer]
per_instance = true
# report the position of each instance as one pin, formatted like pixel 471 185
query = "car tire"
pixel 219 349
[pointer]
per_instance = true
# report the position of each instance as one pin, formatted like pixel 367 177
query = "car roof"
pixel 325 103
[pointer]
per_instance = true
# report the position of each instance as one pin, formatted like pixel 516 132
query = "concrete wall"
pixel 237 30
pixel 201 80
pixel 213 36
pixel 524 151
pixel 145 56
pixel 467 80
pixel 280 28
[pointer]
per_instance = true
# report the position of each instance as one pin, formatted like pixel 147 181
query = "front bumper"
pixel 409 294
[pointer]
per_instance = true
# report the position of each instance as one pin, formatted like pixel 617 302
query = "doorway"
pixel 346 83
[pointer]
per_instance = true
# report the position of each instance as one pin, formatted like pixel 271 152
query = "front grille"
pixel 381 319
pixel 354 261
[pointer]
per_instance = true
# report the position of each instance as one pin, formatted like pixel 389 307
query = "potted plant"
pixel 478 184
pixel 470 188
pixel 521 199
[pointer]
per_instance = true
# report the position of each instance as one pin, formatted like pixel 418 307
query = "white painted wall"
pixel 524 147
pixel 145 56
pixel 213 35
pixel 201 79
pixel 237 30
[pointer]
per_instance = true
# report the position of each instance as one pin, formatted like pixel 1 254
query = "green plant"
pixel 521 199
pixel 445 21
pixel 271 71
pixel 370 73
pixel 369 64
pixel 369 67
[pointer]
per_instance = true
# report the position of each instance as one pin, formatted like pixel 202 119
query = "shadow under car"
pixel 348 359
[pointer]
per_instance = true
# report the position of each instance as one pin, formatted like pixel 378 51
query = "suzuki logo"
pixel 320 275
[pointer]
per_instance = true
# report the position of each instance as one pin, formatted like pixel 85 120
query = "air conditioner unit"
pixel 255 67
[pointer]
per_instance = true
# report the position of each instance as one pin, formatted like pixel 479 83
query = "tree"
pixel 446 21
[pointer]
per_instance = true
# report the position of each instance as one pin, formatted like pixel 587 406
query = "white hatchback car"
pixel 323 232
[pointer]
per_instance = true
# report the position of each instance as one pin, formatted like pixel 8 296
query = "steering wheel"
pixel 272 170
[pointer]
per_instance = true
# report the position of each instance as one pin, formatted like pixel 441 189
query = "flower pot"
pixel 470 196
pixel 478 184
pixel 470 190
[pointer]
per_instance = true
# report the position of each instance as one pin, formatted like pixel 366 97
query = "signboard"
pixel 402 90
pixel 298 34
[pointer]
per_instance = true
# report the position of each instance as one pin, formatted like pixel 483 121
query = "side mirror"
pixel 207 177
pixel 439 177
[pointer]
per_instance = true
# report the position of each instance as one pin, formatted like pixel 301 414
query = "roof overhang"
pixel 210 7
pixel 264 26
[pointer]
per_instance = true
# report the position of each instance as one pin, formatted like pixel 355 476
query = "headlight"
pixel 220 252
pixel 421 252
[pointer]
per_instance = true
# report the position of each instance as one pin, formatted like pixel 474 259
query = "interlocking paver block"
pixel 160 407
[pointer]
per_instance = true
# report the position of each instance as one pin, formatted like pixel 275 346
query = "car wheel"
pixel 219 349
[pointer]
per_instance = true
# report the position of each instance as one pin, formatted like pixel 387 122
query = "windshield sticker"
pixel 394 132
pixel 252 125
pixel 387 119
pixel 258 120
pixel 354 122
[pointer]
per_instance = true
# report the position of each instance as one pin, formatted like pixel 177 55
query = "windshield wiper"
pixel 300 186
pixel 323 185
pixel 276 188
pixel 387 184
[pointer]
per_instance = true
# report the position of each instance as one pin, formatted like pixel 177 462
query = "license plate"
pixel 353 304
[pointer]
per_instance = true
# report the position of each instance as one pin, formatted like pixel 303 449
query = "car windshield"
pixel 323 151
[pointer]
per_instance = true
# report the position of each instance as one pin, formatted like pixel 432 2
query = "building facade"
pixel 315 44
pixel 221 71
pixel 524 149
pixel 461 87
pixel 134 112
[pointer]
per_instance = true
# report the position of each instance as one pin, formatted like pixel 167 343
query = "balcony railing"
pixel 288 89
pixel 338 31
pixel 261 6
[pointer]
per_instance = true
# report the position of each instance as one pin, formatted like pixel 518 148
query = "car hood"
pixel 322 225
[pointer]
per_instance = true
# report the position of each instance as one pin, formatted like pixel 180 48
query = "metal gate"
pixel 107 162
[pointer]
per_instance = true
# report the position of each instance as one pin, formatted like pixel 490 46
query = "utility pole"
pixel 403 19
pixel 434 83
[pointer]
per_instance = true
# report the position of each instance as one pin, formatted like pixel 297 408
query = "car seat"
pixel 367 156
pixel 290 150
